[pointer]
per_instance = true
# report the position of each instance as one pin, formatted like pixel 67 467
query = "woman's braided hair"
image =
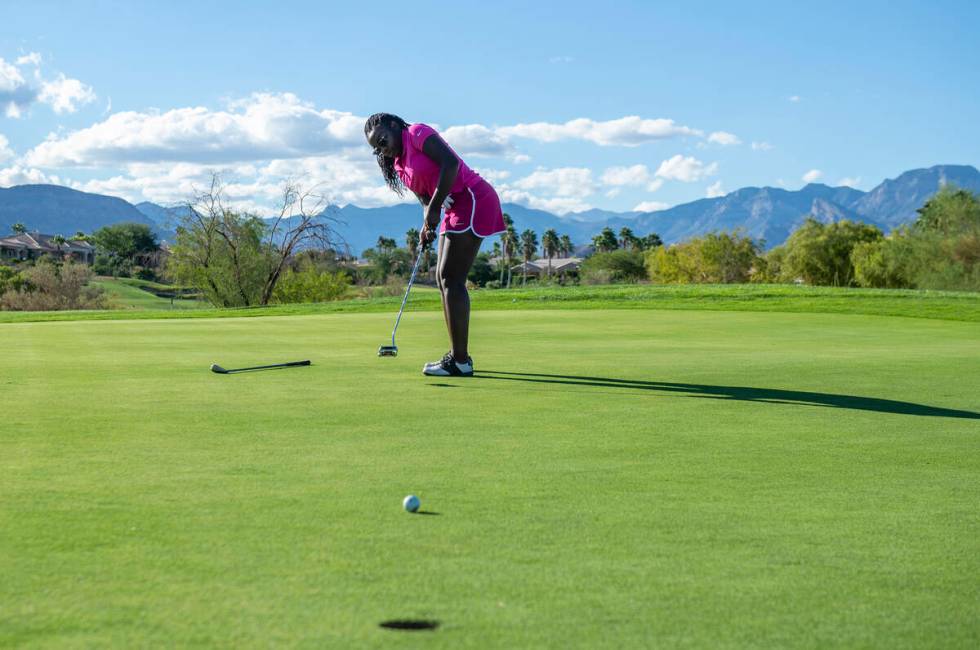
pixel 386 163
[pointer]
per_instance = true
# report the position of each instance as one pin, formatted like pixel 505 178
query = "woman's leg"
pixel 456 255
pixel 440 254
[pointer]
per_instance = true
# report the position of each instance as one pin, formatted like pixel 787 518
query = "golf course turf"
pixel 615 478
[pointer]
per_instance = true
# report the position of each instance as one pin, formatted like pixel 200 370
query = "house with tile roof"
pixel 32 245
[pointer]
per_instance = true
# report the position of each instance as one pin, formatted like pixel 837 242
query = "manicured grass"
pixel 946 305
pixel 128 294
pixel 611 478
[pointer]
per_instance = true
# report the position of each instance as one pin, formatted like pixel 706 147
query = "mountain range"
pixel 766 213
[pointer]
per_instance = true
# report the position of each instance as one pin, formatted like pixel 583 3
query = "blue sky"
pixel 564 106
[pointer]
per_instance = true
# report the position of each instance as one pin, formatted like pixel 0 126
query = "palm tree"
pixel 412 241
pixel 626 237
pixel 80 236
pixel 529 246
pixel 498 254
pixel 508 242
pixel 386 244
pixel 605 241
pixel 19 228
pixel 59 241
pixel 550 244
pixel 652 241
pixel 565 244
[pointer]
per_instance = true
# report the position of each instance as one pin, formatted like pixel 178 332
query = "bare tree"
pixel 237 258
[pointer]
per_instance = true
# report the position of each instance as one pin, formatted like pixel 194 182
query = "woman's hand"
pixel 427 235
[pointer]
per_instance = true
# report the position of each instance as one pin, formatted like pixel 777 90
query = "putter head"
pixel 388 351
pixel 218 369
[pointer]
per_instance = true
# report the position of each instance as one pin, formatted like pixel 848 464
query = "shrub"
pixel 718 257
pixel 820 254
pixel 50 287
pixel 309 284
pixel 615 266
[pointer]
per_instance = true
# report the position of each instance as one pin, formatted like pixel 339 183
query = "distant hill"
pixel 57 210
pixel 767 213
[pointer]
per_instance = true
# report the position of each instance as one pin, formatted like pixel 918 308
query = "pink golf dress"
pixel 475 204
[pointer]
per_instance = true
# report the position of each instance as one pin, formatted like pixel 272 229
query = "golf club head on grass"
pixel 388 351
pixel 291 364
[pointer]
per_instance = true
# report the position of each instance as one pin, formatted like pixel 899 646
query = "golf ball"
pixel 411 503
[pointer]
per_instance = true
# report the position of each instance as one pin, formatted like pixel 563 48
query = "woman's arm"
pixel 442 155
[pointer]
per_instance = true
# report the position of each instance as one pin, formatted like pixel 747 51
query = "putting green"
pixel 611 479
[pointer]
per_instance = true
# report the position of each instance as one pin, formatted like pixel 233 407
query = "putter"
pixel 392 350
pixel 292 364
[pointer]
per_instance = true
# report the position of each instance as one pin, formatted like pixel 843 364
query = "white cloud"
pixel 564 181
pixel 794 98
pixel 715 190
pixel 723 138
pixel 635 175
pixel 18 175
pixel 478 140
pixel 15 93
pixel 560 190
pixel 812 176
pixel 558 205
pixel 687 169
pixel 30 59
pixel 651 206
pixel 850 181
pixel 493 175
pixel 630 131
pixel 560 59
pixel 614 192
pixel 5 152
pixel 65 95
pixel 761 146
pixel 264 126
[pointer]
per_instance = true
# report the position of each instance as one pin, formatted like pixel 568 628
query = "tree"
pixel 412 241
pixel 941 250
pixel 123 246
pixel 605 241
pixel 651 241
pixel 550 244
pixel 627 239
pixel 236 258
pixel 386 244
pixel 565 243
pixel 529 246
pixel 615 266
pixel 481 272
pixel 717 257
pixel 19 228
pixel 79 236
pixel 508 242
pixel 820 254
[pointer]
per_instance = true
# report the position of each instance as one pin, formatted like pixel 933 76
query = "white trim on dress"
pixel 472 222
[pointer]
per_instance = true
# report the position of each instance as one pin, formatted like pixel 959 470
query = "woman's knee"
pixel 451 281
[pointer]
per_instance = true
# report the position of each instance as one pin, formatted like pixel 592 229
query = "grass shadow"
pixel 741 393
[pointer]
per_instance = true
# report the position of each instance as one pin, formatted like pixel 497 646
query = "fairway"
pixel 610 478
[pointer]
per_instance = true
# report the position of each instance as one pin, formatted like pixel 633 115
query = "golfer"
pixel 416 157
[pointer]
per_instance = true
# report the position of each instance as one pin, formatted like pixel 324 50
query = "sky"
pixel 563 106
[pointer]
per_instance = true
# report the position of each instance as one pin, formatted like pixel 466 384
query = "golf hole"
pixel 409 624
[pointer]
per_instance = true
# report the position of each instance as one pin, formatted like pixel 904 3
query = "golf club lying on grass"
pixel 222 371
pixel 392 350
